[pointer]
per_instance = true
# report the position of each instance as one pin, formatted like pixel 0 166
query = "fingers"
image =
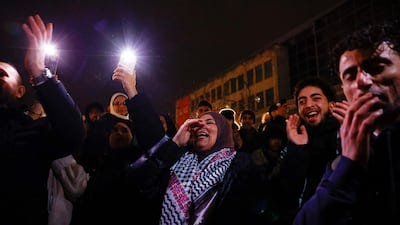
pixel 362 110
pixel 358 123
pixel 339 110
pixel 189 124
pixel 123 68
pixel 28 32
pixel 292 122
pixel 34 27
pixel 302 129
pixel 38 26
pixel 37 32
pixel 183 134
pixel 70 172
pixel 122 71
pixel 295 135
pixel 49 32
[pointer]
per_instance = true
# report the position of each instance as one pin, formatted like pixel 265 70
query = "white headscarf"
pixel 112 111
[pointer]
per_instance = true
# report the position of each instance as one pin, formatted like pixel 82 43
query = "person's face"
pixel 120 136
pixel 164 123
pixel 10 87
pixel 206 133
pixel 119 105
pixel 274 148
pixel 275 145
pixel 247 120
pixel 201 110
pixel 378 73
pixel 313 105
pixel 94 114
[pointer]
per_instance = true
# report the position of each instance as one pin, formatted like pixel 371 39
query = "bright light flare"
pixel 128 58
pixel 50 50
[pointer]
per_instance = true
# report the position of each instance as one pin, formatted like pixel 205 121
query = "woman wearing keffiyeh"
pixel 208 183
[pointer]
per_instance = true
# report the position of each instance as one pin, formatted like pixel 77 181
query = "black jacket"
pixel 236 194
pixel 27 149
pixel 350 193
pixel 303 166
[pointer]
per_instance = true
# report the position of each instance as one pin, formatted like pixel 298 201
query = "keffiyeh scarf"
pixel 189 180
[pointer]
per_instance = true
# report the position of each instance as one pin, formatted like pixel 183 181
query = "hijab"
pixel 111 105
pixel 224 135
pixel 193 184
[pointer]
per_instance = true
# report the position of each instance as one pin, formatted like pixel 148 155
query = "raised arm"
pixel 61 110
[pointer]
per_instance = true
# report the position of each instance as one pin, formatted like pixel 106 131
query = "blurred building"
pixel 250 84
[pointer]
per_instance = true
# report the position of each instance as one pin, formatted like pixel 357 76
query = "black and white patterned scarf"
pixel 189 180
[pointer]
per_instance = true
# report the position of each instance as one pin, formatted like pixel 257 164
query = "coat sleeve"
pixel 335 198
pixel 62 112
pixel 150 173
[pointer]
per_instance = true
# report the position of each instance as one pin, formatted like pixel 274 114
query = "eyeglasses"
pixel 119 103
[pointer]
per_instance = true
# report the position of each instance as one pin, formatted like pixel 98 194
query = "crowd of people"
pixel 331 162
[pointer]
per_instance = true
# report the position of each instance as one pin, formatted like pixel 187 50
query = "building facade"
pixel 255 83
pixel 271 74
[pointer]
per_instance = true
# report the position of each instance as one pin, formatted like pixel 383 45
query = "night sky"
pixel 180 44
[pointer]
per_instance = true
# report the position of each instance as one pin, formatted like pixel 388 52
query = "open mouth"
pixel 311 114
pixel 202 134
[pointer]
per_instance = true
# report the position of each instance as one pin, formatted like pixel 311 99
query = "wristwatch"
pixel 44 76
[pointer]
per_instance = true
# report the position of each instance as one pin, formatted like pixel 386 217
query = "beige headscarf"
pixel 112 111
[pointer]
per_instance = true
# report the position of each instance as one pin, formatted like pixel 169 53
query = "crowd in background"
pixel 331 162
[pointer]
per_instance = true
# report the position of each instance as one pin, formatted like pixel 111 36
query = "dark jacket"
pixel 236 194
pixel 352 194
pixel 108 198
pixel 303 166
pixel 27 149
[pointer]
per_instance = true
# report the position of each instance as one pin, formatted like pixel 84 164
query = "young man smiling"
pixel 362 186
pixel 312 140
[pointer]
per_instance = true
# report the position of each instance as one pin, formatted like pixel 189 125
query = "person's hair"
pixel 228 113
pixel 248 112
pixel 93 105
pixel 275 106
pixel 8 67
pixel 369 38
pixel 204 103
pixel 171 128
pixel 314 82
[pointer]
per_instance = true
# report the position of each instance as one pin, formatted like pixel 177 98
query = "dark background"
pixel 180 44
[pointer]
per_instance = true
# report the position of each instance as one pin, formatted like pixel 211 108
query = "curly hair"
pixel 369 38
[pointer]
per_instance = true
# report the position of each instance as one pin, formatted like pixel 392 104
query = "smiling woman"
pixel 205 182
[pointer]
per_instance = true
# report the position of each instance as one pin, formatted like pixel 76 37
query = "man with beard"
pixel 312 141
pixel 29 146
pixel 362 186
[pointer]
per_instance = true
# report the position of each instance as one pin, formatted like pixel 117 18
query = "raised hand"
pixel 295 135
pixel 37 34
pixel 182 136
pixel 359 122
pixel 127 78
pixel 339 110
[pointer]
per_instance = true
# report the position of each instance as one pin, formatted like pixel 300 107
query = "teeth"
pixel 202 134
pixel 312 114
